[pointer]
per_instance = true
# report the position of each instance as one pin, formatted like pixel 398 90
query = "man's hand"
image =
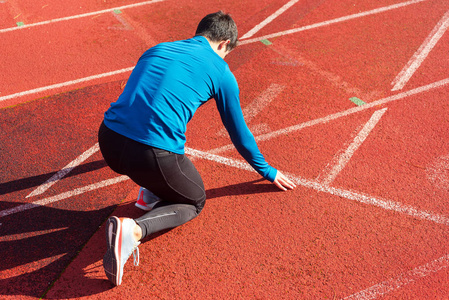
pixel 282 182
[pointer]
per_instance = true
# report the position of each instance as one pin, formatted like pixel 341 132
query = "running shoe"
pixel 146 199
pixel 120 245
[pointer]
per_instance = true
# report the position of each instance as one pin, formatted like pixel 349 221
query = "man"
pixel 143 133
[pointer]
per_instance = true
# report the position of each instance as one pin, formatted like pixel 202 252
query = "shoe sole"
pixel 111 260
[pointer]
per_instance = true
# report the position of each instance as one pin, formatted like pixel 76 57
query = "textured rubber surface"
pixel 369 218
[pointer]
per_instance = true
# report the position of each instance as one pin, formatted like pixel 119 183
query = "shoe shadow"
pixel 85 276
pixel 36 246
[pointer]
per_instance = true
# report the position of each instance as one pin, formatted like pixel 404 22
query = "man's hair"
pixel 219 27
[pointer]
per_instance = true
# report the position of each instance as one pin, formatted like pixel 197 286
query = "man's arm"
pixel 228 104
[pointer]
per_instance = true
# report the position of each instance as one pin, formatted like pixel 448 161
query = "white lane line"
pixel 421 54
pixel 220 159
pixel 349 195
pixel 64 84
pixel 269 19
pixel 353 110
pixel 64 171
pixel 383 288
pixel 333 21
pixel 258 104
pixel 293 128
pixel 359 197
pixel 122 20
pixel 343 159
pixel 438 172
pixel 62 196
pixel 79 16
pixel 68 83
pixel 261 102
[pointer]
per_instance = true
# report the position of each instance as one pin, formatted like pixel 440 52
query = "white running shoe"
pixel 146 199
pixel 120 245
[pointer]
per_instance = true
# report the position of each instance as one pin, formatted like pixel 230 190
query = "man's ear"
pixel 223 44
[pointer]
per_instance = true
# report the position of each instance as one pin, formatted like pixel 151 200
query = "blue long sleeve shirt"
pixel 169 83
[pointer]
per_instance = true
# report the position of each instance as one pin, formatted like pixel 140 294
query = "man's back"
pixel 168 84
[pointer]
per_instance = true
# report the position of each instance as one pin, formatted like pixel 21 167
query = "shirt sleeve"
pixel 228 104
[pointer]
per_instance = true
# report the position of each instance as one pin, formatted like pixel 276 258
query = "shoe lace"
pixel 136 255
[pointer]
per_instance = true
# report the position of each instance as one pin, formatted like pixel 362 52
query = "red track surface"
pixel 377 228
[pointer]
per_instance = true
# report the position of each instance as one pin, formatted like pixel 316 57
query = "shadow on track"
pixel 35 181
pixel 40 244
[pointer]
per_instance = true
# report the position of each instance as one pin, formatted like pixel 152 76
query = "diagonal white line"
pixel 262 101
pixel 344 158
pixel 85 79
pixel 383 288
pixel 359 197
pixel 258 104
pixel 64 171
pixel 333 21
pixel 353 110
pixel 62 196
pixel 79 16
pixel 211 156
pixel 269 19
pixel 297 127
pixel 421 54
pixel 64 84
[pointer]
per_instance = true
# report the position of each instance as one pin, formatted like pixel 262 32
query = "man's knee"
pixel 200 204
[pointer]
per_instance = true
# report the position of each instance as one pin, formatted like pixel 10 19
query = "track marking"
pixel 139 30
pixel 64 171
pixel 273 90
pixel 64 84
pixel 383 288
pixel 421 54
pixel 269 19
pixel 262 101
pixel 290 129
pixel 342 160
pixel 353 110
pixel 14 9
pixel 357 101
pixel 359 197
pixel 438 172
pixel 62 196
pixel 334 79
pixel 85 79
pixel 257 105
pixel 124 24
pixel 80 15
pixel 266 42
pixel 333 21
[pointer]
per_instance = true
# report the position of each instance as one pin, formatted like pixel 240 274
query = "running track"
pixel 349 99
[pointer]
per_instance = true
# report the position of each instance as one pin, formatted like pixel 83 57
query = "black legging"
pixel 170 176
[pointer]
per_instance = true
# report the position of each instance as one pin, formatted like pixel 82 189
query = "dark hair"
pixel 219 27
